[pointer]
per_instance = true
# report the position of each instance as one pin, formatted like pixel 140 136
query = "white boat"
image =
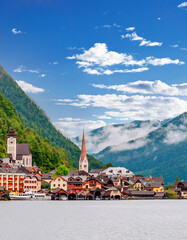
pixel 19 196
pixel 40 196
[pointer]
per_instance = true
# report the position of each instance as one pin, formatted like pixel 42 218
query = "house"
pixel 139 184
pixel 59 182
pixel 182 185
pixel 112 193
pixel 48 177
pixel 154 186
pixel 12 179
pixel 92 182
pixel 32 183
pixel 76 182
pixel 19 152
pixel 117 181
pixel 83 160
pixel 59 194
pixel 117 171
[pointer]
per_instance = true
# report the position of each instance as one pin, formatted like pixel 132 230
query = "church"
pixel 83 161
pixel 19 152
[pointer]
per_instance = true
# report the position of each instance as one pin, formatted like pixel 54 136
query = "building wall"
pixel 32 184
pixel 58 182
pixel 83 164
pixel 27 160
pixel 13 182
pixel 90 185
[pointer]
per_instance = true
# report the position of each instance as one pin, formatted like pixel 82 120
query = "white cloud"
pixel 42 75
pixel 174 46
pixel 29 88
pixel 15 31
pixel 54 63
pixel 130 28
pixel 21 69
pixel 98 59
pixel 182 5
pixel 77 125
pixel 143 42
pixel 119 135
pixel 129 145
pixel 148 87
pixel 159 18
pixel 184 49
pixel 175 134
pixel 137 107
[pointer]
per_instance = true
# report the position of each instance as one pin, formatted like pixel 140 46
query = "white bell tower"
pixel 11 143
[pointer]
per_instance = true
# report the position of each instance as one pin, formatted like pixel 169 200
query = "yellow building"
pixel 58 182
pixel 12 181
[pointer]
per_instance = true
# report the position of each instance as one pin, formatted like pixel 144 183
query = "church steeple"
pixel 83 149
pixel 11 143
pixel 83 161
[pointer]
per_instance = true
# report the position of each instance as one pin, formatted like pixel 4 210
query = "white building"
pixel 117 171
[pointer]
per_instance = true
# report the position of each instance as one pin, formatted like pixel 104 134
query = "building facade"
pixel 11 180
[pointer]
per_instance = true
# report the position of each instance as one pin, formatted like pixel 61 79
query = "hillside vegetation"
pixel 34 117
pixel 44 154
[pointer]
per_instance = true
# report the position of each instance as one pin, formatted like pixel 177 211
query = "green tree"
pixel 171 194
pixel 62 170
pixel 177 179
pixel 108 165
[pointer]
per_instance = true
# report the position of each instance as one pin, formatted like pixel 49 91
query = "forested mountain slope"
pixel 34 117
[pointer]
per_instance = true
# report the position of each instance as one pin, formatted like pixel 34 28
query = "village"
pixel 21 180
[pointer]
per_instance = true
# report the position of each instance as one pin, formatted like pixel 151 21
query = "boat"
pixel 40 196
pixel 19 196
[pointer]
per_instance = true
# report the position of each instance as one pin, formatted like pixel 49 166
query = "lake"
pixel 61 220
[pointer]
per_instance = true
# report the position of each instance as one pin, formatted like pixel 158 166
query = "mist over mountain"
pixel 162 152
pixel 116 134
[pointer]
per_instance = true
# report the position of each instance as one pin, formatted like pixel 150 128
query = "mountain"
pixel 163 152
pixel 116 134
pixel 34 117
pixel 44 154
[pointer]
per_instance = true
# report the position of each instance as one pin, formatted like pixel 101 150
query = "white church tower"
pixel 83 161
pixel 11 143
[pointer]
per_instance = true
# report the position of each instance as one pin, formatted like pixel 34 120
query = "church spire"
pixel 83 161
pixel 83 149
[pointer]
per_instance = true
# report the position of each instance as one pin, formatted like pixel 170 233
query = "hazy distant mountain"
pixel 116 134
pixel 162 152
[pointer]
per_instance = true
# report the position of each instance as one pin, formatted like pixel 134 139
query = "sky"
pixel 91 63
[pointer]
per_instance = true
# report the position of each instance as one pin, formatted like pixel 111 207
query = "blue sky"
pixel 93 63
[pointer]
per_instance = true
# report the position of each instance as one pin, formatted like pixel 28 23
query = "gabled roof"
pixel 23 149
pixel 60 177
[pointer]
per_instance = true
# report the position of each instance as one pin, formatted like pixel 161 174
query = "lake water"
pixel 61 220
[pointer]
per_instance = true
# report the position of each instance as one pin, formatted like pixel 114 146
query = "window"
pixel 64 185
pixel 53 185
pixel 85 166
pixel 59 179
pixel 58 185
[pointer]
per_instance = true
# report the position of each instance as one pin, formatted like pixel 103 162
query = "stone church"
pixel 19 152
